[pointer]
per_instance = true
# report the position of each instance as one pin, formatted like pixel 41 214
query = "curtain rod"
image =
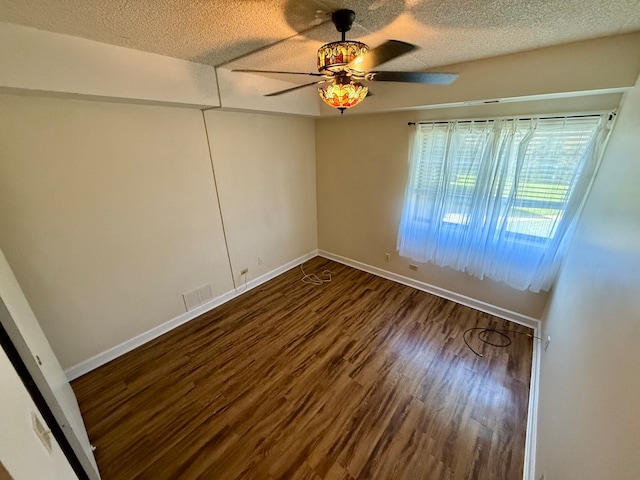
pixel 612 114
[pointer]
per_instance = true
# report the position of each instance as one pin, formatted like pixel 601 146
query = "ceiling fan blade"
pixel 387 51
pixel 415 77
pixel 276 71
pixel 293 88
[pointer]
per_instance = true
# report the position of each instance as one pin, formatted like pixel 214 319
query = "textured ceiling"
pixel 285 34
pixel 216 31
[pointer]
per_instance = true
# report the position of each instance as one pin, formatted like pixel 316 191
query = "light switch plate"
pixel 42 431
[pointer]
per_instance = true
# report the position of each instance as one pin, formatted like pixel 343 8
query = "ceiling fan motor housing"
pixel 335 56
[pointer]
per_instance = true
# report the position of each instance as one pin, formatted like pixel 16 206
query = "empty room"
pixel 313 240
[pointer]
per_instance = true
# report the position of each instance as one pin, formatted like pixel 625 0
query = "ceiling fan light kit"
pixel 343 95
pixel 334 59
pixel 347 63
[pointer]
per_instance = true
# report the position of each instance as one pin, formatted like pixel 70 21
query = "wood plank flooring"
pixel 360 378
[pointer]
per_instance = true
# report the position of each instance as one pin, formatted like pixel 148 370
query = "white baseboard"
pixel 532 417
pixel 534 323
pixel 111 354
pixel 440 292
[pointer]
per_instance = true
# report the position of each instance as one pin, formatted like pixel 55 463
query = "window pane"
pixel 494 197
pixel 550 165
pixel 532 199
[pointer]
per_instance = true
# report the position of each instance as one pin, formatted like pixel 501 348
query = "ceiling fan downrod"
pixel 343 19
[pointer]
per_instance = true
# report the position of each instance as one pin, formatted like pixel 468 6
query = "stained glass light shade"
pixel 333 57
pixel 342 96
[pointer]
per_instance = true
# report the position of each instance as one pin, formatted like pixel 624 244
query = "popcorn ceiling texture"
pixel 214 32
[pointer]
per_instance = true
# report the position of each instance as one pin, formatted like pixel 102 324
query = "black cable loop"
pixel 482 336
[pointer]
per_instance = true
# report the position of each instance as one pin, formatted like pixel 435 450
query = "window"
pixel 496 198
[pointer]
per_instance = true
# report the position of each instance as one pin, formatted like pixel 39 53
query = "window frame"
pixel 519 237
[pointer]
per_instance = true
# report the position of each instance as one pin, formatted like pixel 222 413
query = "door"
pixel 22 456
pixel 34 350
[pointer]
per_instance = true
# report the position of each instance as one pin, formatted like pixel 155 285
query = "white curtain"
pixel 497 198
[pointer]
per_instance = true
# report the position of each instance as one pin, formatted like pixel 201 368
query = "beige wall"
pixel 589 407
pixel 362 164
pixel 265 171
pixel 109 211
pixel 108 215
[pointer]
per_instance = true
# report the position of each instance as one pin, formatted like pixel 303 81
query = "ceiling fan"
pixel 345 64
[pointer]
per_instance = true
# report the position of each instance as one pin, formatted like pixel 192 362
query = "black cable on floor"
pixel 484 331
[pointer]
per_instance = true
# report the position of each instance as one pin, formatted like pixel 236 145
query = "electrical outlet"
pixel 413 267
pixel 259 261
pixel 244 271
pixel 546 344
pixel 387 257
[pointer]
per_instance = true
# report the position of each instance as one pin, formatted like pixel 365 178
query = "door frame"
pixel 26 366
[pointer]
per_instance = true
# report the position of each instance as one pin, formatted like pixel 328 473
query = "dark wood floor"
pixel 361 378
